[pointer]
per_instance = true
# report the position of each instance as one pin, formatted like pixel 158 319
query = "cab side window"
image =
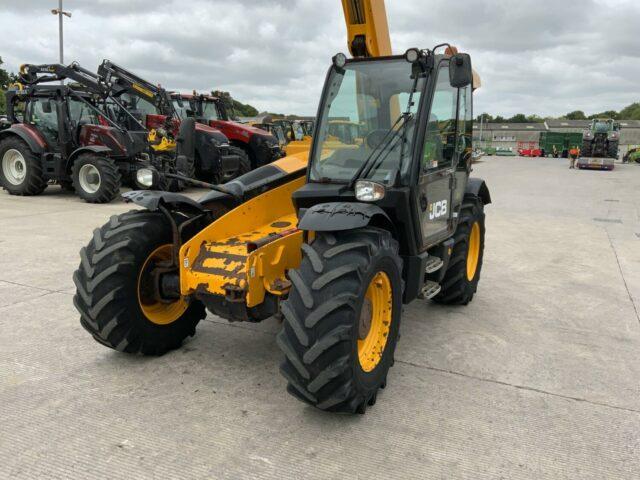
pixel 45 117
pixel 465 127
pixel 440 137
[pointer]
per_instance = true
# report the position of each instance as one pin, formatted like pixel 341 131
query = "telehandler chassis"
pixel 335 242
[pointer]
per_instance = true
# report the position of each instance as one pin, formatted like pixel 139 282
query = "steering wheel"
pixel 375 137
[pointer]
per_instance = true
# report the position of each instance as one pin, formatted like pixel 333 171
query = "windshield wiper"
pixel 373 162
pixel 375 157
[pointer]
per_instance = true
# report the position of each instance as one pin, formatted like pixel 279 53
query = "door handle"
pixel 423 202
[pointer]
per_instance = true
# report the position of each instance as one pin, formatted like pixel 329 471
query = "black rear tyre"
pixel 324 337
pixel 110 291
pixel 463 272
pixel 96 179
pixel 20 169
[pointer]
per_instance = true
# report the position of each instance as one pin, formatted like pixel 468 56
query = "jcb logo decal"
pixel 438 209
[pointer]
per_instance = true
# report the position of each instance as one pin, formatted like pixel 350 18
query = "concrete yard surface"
pixel 537 378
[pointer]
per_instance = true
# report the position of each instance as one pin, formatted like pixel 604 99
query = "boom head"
pixel 367 28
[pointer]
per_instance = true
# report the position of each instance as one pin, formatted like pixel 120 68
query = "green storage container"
pixel 562 141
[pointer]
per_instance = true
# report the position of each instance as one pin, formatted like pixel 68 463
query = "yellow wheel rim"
pixel 375 321
pixel 473 256
pixel 160 313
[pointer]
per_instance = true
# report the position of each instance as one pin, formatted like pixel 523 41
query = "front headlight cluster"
pixel 147 177
pixel 367 191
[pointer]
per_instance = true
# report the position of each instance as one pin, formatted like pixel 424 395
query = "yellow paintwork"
pixel 292 163
pixel 217 259
pixel 158 312
pixel 299 146
pixel 473 255
pixel 368 18
pixel 379 299
pixel 162 145
pixel 142 90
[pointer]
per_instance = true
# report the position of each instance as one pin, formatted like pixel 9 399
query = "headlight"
pixel 340 60
pixel 412 55
pixel 146 177
pixel 367 191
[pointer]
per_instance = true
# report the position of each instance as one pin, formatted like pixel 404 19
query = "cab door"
pixel 439 160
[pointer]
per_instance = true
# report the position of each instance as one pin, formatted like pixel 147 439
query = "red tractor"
pixel 260 146
pixel 217 160
pixel 72 135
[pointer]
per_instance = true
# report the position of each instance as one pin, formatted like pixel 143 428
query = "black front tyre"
pixel 20 169
pixel 244 164
pixel 342 319
pixel 96 179
pixel 461 279
pixel 115 282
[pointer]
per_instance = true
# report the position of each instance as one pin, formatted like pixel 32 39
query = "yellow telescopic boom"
pixel 367 28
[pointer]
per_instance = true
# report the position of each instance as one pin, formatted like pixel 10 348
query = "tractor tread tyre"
pixel 244 165
pixel 457 289
pixel 174 185
pixel 107 286
pixel 110 178
pixel 320 329
pixel 586 150
pixel 34 182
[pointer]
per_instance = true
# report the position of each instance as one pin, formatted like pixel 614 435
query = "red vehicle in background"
pixel 530 149
pixel 216 160
pixel 261 146
pixel 529 152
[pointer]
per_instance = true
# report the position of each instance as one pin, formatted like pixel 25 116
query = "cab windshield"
pixel 181 110
pixel 362 118
pixel 209 110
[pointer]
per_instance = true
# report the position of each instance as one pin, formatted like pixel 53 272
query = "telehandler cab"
pixel 336 245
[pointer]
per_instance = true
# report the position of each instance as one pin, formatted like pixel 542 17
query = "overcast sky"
pixel 546 57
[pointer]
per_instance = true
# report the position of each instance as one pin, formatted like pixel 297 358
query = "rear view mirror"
pixel 460 71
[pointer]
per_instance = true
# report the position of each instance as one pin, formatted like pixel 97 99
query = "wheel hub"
pixel 473 254
pixel 374 323
pixel 364 326
pixel 14 166
pixel 89 178
pixel 159 310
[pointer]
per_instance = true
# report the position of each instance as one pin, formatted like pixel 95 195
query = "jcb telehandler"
pixel 336 245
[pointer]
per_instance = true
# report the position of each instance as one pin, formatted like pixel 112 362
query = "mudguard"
pixel 24 136
pixel 478 187
pixel 337 216
pixel 152 200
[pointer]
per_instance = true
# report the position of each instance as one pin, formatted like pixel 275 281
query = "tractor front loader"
pixel 67 134
pixel 215 160
pixel 335 243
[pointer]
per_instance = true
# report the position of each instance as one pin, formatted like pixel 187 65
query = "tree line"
pixel 631 112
